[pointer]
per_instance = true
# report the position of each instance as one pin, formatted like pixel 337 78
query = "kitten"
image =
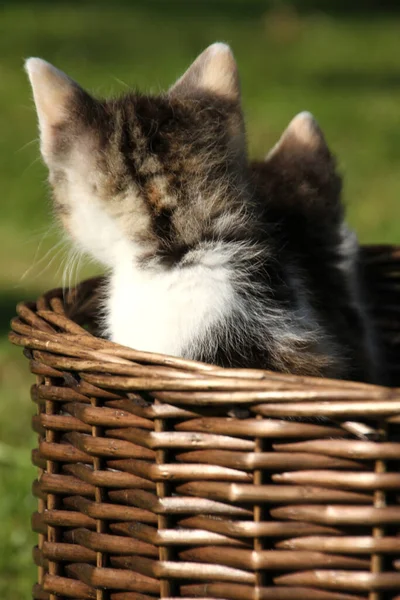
pixel 303 199
pixel 202 262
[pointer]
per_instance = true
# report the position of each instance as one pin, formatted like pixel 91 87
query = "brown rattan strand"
pixel 251 529
pixel 341 514
pixel 347 580
pixel 344 481
pixel 270 428
pixel 120 579
pixel 272 559
pixel 65 518
pixel 177 504
pixel 223 590
pixel 346 449
pixel 113 544
pixel 345 545
pixel 271 494
pixel 67 587
pixel 68 552
pixel 161 477
pixel 174 472
pixel 106 511
pixel 173 537
pixel 270 461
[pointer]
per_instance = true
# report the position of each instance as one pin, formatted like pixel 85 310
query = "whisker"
pixel 122 82
pixel 43 258
pixel 41 232
pixel 27 144
pixel 78 266
pixel 37 159
pixel 48 265
pixel 71 268
pixel 68 271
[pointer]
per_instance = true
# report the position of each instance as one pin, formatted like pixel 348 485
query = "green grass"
pixel 344 69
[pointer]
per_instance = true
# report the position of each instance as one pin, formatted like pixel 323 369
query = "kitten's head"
pixel 148 173
pixel 300 171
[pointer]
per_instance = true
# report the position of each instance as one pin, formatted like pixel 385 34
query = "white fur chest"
pixel 169 312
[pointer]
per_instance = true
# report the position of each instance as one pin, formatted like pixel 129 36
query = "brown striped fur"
pixel 169 177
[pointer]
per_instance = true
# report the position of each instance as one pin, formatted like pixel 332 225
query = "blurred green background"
pixel 342 64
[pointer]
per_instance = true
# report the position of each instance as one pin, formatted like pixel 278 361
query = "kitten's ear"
pixel 53 92
pixel 214 71
pixel 302 136
pixel 302 170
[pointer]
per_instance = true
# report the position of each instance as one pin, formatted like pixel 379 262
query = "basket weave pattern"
pixel 165 478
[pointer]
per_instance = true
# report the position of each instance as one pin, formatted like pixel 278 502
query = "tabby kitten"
pixel 205 258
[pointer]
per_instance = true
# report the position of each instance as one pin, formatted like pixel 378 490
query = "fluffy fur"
pixel 210 258
pixel 299 179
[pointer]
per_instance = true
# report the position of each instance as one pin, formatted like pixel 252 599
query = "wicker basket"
pixel 166 478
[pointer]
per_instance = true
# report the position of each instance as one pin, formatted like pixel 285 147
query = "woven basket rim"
pixel 46 328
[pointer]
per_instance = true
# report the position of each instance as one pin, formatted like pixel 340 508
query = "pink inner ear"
pixel 52 111
pixel 214 71
pixel 306 131
pixel 52 91
pixel 47 141
pixel 303 134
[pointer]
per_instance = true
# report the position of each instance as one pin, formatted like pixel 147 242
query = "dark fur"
pixel 302 193
pixel 290 225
